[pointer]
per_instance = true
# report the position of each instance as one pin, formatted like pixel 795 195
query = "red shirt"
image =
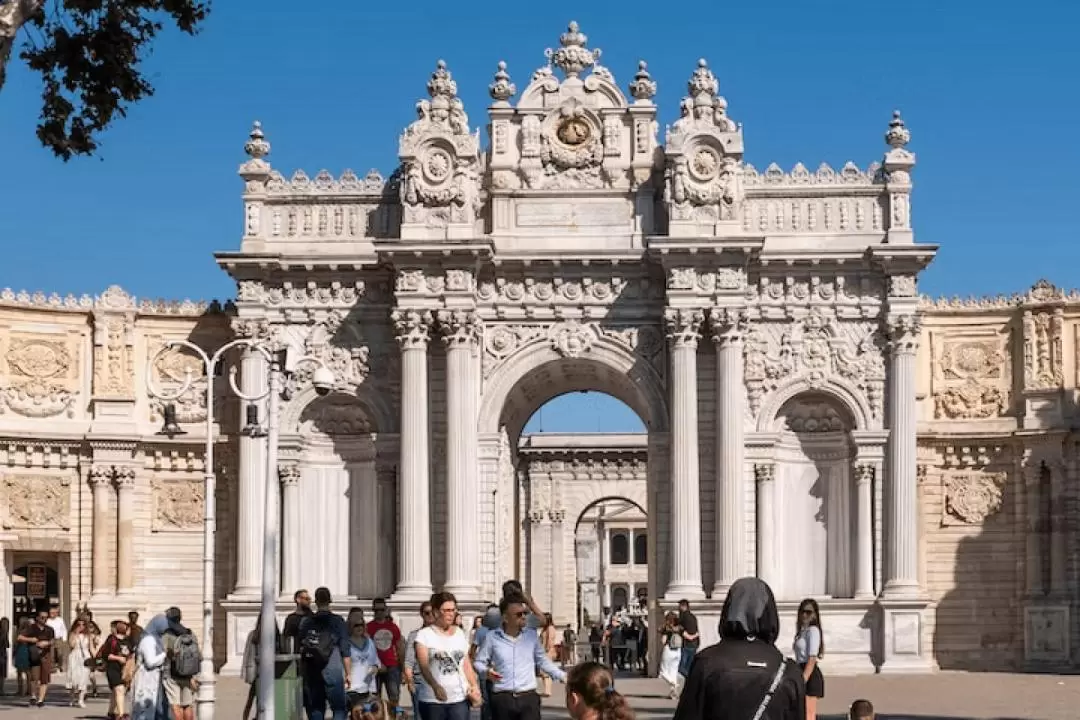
pixel 386 635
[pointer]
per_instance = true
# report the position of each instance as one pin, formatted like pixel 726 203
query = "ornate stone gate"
pixel 763 324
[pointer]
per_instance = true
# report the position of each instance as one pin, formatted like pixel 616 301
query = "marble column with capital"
pixel 460 330
pixel 765 479
pixel 901 488
pixel 289 476
pixel 728 327
pixel 251 486
pixel 684 331
pixel 864 530
pixel 413 332
pixel 100 478
pixel 125 527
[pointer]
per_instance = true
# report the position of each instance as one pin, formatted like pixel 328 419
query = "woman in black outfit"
pixel 744 676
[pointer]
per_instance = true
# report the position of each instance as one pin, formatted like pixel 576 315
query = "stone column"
pixel 125 526
pixel 728 327
pixel 864 530
pixel 252 482
pixel 1059 557
pixel 291 539
pixel 100 478
pixel 1033 546
pixel 413 330
pixel 901 491
pixel 765 476
pixel 684 327
pixel 460 329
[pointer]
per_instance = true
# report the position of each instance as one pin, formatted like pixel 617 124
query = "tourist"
pixel 249 669
pixel 180 675
pixel 861 710
pixel 411 671
pixel 671 656
pixel 809 648
pixel 744 675
pixel 491 614
pixel 115 652
pixel 60 647
pixel 511 658
pixel 442 652
pixel 388 641
pixel 80 652
pixel 290 633
pixel 38 638
pixel 591 694
pixel 478 622
pixel 548 636
pixel 513 588
pixel 147 698
pixel 134 629
pixel 569 646
pixel 5 645
pixel 691 637
pixel 365 664
pixel 596 639
pixel 325 662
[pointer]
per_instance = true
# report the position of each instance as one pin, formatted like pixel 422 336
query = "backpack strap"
pixel 772 690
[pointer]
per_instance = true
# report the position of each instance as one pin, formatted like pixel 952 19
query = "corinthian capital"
pixel 728 324
pixel 684 326
pixel 764 472
pixel 125 478
pixel 459 327
pixel 864 473
pixel 412 328
pixel 100 475
pixel 904 331
pixel 288 474
pixel 251 328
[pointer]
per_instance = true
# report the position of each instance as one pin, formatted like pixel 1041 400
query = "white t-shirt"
pixel 365 665
pixel 447 655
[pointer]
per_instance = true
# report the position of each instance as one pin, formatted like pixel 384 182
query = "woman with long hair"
pixel 147 696
pixel 21 660
pixel 548 636
pixel 591 694
pixel 671 641
pixel 744 675
pixel 809 648
pixel 80 662
pixel 442 652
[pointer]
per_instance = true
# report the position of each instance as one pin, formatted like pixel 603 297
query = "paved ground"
pixel 945 696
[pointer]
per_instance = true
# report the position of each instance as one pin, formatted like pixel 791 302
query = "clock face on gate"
pixel 573 131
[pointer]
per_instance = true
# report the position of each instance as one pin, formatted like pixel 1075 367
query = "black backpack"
pixel 317 643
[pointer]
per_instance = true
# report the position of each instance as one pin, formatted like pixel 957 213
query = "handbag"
pixel 772 690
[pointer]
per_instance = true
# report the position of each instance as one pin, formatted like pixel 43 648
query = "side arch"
pixel 378 412
pixel 606 367
pixel 840 390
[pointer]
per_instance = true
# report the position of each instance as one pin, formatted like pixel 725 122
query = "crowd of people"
pixel 504 664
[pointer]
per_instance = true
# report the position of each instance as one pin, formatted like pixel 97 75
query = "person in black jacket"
pixel 744 677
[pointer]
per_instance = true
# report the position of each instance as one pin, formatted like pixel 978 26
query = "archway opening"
pixel 584 411
pixel 611 561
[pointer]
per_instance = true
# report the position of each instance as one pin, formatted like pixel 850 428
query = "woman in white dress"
pixel 147 697
pixel 671 641
pixel 78 671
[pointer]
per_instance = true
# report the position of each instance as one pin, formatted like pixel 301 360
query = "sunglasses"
pixel 520 614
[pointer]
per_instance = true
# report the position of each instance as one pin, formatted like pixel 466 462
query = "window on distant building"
pixel 641 549
pixel 620 549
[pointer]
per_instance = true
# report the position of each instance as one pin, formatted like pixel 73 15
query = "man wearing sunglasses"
pixel 510 658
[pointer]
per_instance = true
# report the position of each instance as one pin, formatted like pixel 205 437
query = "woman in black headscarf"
pixel 744 677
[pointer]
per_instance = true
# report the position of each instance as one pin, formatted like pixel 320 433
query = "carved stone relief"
pixel 806 415
pixel 114 345
pixel 178 504
pixel 171 370
pixel 41 374
pixel 335 417
pixel 1043 368
pixel 972 377
pixel 37 501
pixel 971 497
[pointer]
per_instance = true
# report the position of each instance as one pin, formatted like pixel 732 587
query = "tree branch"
pixel 13 15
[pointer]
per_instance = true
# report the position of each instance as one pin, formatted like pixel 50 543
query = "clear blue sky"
pixel 989 90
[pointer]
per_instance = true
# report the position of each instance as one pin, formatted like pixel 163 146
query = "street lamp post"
pixel 205 698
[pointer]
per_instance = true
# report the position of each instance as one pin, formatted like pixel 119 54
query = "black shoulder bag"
pixel 772 690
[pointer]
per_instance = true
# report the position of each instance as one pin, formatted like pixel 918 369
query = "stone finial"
pixel 257 147
pixel 572 57
pixel 643 87
pixel 898 135
pixel 502 89
pixel 441 84
pixel 703 82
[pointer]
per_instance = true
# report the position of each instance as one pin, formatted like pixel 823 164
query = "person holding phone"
pixel 510 658
pixel 442 652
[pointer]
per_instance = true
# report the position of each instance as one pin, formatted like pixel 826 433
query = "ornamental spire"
pixel 572 57
pixel 257 148
pixel 501 88
pixel 898 135
pixel 643 87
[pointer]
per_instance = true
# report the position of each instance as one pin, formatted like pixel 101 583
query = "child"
pixel 376 709
pixel 861 710
pixel 591 694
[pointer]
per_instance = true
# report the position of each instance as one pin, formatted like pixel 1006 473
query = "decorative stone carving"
pixel 684 326
pixel 764 472
pixel 335 417
pixel 972 375
pixel 728 324
pixel 459 327
pixel 804 416
pixel 1043 369
pixel 902 286
pixel 42 375
pixel 37 501
pixel 440 164
pixel 972 497
pixel 572 339
pixel 501 341
pixel 290 475
pixel 412 328
pixel 704 149
pixel 904 332
pixel 171 370
pixel 864 473
pixel 178 504
pixel 338 343
pixel 114 341
pixel 294 295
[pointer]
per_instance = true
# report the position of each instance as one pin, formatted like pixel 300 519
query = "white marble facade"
pixel 763 325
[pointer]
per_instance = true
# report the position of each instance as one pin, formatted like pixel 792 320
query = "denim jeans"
pixel 686 659
pixel 443 711
pixel 322 688
pixel 390 680
pixel 485 693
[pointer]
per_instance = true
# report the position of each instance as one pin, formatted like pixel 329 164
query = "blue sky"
pixel 989 91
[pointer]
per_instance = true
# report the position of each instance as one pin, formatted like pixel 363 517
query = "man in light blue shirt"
pixel 510 658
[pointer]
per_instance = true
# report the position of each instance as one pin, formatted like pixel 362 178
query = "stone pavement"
pixel 944 696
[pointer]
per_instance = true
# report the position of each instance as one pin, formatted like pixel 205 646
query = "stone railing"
pixel 824 201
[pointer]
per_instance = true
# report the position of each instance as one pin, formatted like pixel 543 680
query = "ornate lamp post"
pixel 205 698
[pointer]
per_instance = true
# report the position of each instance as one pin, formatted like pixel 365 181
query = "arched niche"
pixel 843 394
pixel 814 502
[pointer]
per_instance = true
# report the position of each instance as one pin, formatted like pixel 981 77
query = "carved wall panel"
pixel 171 371
pixel 37 502
pixel 177 504
pixel 39 374
pixel 971 376
pixel 971 497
